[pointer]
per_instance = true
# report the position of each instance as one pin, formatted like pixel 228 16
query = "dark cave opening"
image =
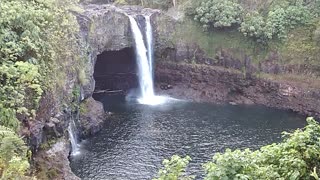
pixel 115 73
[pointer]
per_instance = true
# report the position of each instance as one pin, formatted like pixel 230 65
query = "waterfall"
pixel 149 43
pixel 144 57
pixel 72 129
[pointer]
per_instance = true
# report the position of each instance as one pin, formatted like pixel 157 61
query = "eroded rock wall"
pixel 220 85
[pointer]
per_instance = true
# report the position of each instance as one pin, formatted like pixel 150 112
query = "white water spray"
pixel 145 65
pixel 72 129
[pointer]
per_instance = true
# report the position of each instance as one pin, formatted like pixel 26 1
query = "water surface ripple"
pixel 134 143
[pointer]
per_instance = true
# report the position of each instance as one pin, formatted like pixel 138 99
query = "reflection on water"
pixel 134 143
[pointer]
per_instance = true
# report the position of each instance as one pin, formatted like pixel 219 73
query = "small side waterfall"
pixel 72 129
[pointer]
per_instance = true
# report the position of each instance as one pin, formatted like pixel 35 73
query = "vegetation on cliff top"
pixel 257 28
pixel 297 157
pixel 262 26
pixel 37 38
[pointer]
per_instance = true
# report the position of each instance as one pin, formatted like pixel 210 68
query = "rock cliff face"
pixel 105 28
pixel 92 117
pixel 220 85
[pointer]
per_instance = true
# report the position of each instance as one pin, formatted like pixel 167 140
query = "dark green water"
pixel 134 143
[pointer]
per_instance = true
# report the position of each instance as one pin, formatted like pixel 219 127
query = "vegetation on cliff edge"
pixel 37 41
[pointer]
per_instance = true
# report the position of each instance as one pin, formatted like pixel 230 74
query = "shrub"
pixel 174 169
pixel 297 157
pixel 37 39
pixel 277 23
pixel 281 20
pixel 13 155
pixel 253 26
pixel 21 80
pixel 218 14
pixel 294 158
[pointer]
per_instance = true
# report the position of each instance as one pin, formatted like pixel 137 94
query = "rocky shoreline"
pixel 215 84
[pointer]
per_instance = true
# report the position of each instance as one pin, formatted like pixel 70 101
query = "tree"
pixel 218 14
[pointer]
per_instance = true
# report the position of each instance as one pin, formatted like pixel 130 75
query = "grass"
pixel 298 80
pixel 211 42
pixel 299 48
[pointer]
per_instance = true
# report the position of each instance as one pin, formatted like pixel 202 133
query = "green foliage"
pixel 190 7
pixel 314 174
pixel 254 26
pixel 8 118
pixel 35 36
pixel 314 6
pixel 277 23
pixel 218 13
pixel 38 47
pixel 297 157
pixel 20 81
pixel 273 24
pixel 294 158
pixel 13 155
pixel 280 20
pixel 157 4
pixel 174 169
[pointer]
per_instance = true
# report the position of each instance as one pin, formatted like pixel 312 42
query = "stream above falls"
pixel 134 142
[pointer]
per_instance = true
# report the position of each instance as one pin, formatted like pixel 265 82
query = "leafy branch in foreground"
pixel 13 155
pixel 297 157
pixel 174 168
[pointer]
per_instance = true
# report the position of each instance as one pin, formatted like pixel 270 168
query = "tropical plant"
pixel 218 13
pixel 276 24
pixel 174 169
pixel 36 40
pixel 13 155
pixel 253 26
pixel 294 158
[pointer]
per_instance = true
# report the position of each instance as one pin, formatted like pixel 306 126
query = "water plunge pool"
pixel 133 144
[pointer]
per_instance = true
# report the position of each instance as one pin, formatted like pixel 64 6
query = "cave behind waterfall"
pixel 115 73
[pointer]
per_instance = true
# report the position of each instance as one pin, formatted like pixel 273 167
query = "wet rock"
pixel 54 163
pixel 92 117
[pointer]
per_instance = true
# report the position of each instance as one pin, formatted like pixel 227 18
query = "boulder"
pixel 92 117
pixel 54 163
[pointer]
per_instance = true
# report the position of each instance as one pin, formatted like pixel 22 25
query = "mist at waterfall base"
pixel 144 58
pixel 135 141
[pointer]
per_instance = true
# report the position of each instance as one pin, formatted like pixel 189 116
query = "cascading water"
pixel 145 64
pixel 145 79
pixel 72 129
pixel 149 43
